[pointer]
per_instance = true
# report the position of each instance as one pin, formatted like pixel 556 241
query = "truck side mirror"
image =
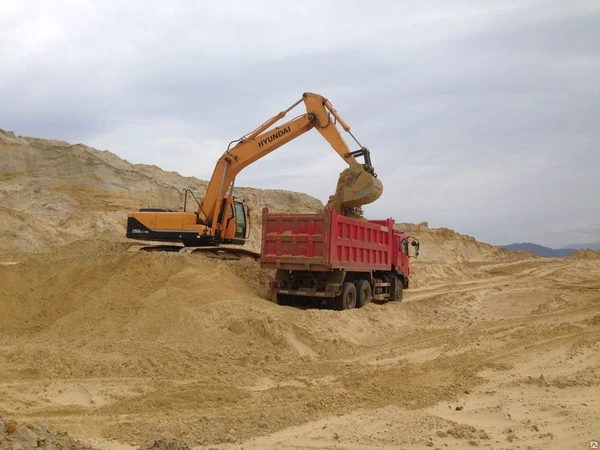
pixel 416 245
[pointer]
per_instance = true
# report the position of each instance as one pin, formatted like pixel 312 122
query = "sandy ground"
pixel 115 348
pixel 490 348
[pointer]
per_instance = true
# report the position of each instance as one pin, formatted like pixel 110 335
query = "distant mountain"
pixel 591 246
pixel 540 250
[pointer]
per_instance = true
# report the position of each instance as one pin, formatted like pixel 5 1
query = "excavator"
pixel 222 219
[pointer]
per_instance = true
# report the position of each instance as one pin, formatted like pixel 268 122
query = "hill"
pixel 544 252
pixel 446 246
pixel 54 193
pixel 589 246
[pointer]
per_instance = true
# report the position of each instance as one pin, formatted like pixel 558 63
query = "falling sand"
pixel 336 200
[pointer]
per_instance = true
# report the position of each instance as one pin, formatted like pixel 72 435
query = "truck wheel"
pixel 363 293
pixel 397 290
pixel 284 300
pixel 347 299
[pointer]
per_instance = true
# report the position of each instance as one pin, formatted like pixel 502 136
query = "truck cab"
pixel 403 242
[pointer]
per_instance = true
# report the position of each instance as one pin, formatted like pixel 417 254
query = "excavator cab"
pixel 237 223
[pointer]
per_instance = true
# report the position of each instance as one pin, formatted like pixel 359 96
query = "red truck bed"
pixel 325 241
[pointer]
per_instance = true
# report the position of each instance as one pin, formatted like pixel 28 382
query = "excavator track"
pixel 223 253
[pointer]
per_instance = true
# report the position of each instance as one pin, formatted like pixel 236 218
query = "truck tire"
pixel 284 299
pixel 397 290
pixel 363 293
pixel 347 298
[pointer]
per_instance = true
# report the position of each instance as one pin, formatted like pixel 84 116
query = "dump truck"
pixel 331 261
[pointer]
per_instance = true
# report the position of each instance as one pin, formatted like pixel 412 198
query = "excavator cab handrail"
pixel 187 190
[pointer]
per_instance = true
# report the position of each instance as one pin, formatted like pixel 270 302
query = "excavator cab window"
pixel 240 220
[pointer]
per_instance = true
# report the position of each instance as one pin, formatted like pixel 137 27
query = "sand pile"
pixel 585 254
pixel 412 227
pixel 61 193
pixel 41 436
pixel 16 436
pixel 178 350
pixel 446 246
pixel 63 309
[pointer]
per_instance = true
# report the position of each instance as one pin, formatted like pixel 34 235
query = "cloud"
pixel 480 116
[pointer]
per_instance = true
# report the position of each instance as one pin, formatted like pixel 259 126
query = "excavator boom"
pixel 363 186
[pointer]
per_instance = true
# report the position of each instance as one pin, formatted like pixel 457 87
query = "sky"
pixel 481 117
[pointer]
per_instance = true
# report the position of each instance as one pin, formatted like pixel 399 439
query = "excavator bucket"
pixel 358 187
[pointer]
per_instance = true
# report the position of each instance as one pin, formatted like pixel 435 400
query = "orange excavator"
pixel 220 218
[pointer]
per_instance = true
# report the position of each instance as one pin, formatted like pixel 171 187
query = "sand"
pixel 335 200
pixel 121 350
pixel 115 348
pixel 62 192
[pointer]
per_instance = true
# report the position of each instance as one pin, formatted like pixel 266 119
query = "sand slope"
pixel 123 346
pixel 62 192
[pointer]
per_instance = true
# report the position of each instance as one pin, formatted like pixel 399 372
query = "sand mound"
pixel 40 436
pixel 61 193
pixel 447 246
pixel 143 348
pixel 585 254
pixel 128 306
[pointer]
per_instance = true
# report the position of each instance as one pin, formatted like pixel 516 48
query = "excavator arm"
pixel 263 141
